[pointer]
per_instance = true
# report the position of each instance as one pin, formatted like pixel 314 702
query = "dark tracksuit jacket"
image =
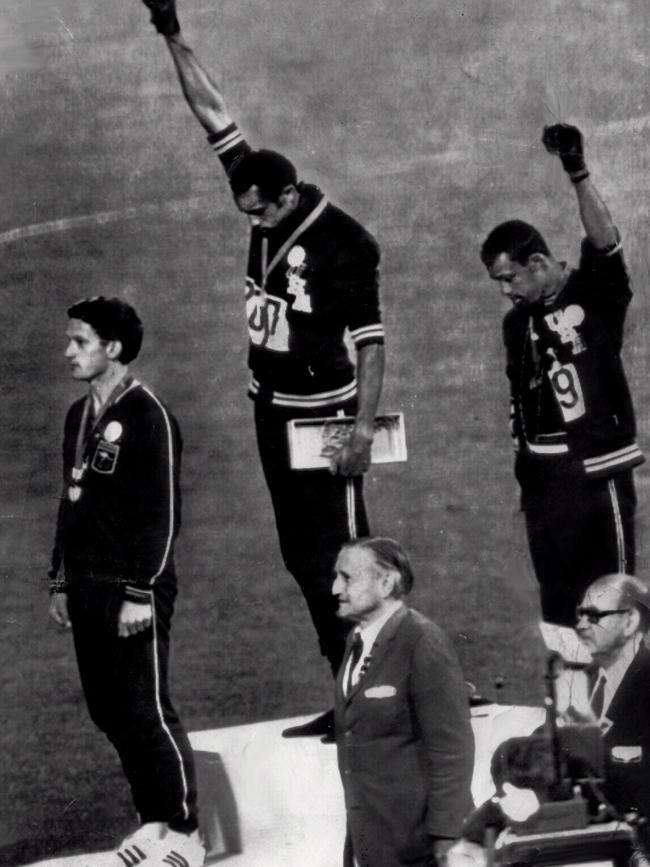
pixel 308 282
pixel 118 518
pixel 574 430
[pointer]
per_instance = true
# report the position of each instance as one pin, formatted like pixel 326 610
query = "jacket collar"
pixel 639 664
pixel 382 643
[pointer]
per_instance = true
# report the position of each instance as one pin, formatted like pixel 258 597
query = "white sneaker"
pixel 143 845
pixel 182 850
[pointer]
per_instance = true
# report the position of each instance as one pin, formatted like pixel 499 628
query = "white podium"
pixel 267 801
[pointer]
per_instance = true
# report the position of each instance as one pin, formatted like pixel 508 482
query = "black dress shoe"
pixel 479 700
pixel 475 699
pixel 322 725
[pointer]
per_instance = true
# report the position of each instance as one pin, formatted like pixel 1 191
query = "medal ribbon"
pixel 82 437
pixel 306 223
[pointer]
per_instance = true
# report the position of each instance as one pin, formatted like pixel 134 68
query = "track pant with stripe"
pixel 578 530
pixel 315 514
pixel 125 684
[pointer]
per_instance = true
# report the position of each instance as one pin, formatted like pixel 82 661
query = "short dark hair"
pixel 267 170
pixel 524 762
pixel 519 240
pixel 112 319
pixel 390 555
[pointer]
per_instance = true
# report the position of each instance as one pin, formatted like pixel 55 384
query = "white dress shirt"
pixel 368 636
pixel 615 673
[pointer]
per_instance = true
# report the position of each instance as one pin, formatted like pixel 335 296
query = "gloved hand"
pixel 163 16
pixel 565 141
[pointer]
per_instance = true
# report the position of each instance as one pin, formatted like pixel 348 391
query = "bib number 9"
pixel 568 391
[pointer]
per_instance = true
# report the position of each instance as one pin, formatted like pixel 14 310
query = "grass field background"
pixel 423 120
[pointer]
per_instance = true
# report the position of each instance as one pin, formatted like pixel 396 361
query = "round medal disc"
pixel 74 492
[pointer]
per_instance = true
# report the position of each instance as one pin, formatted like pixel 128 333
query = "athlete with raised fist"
pixel 312 278
pixel 572 418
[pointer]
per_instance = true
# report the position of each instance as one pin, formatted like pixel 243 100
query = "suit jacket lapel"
pixel 623 690
pixel 379 648
pixel 341 672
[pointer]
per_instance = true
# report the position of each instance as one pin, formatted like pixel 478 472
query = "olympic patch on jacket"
pixel 105 457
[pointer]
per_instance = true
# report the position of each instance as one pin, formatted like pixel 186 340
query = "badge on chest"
pixel 105 457
pixel 107 450
pixel 564 323
pixel 297 285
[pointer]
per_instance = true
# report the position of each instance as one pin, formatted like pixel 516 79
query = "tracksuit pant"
pixel 125 684
pixel 578 530
pixel 315 513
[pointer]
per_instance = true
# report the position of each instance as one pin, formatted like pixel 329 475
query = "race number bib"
pixel 567 389
pixel 267 319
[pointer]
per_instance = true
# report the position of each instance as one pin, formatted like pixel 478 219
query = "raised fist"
pixel 565 141
pixel 163 16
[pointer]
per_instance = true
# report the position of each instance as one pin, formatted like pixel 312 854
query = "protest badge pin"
pixel 113 431
pixel 296 256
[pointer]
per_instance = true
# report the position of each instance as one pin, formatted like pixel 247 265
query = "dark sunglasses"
pixel 594 615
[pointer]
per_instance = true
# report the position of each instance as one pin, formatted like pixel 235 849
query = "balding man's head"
pixel 389 555
pixel 614 611
pixel 632 593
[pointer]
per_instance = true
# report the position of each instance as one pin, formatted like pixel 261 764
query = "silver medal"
pixel 74 492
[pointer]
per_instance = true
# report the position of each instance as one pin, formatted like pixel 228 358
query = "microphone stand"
pixel 554 663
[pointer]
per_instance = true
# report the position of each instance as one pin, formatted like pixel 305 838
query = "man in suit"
pixel 612 622
pixel 405 744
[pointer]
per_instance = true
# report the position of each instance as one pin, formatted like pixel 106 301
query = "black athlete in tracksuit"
pixel 574 430
pixel 115 534
pixel 308 281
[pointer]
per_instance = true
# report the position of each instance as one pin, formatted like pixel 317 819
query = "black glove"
pixel 565 141
pixel 163 16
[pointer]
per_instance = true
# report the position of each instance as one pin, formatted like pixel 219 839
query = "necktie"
pixel 355 656
pixel 597 699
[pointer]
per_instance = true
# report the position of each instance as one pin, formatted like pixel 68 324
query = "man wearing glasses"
pixel 612 621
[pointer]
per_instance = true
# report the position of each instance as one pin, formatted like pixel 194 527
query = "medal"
pixel 112 432
pixel 74 492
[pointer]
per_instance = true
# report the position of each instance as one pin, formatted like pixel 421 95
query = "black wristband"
pixel 163 17
pixel 573 163
pixel 576 177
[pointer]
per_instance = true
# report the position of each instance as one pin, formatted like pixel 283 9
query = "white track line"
pixel 631 124
pixel 101 218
